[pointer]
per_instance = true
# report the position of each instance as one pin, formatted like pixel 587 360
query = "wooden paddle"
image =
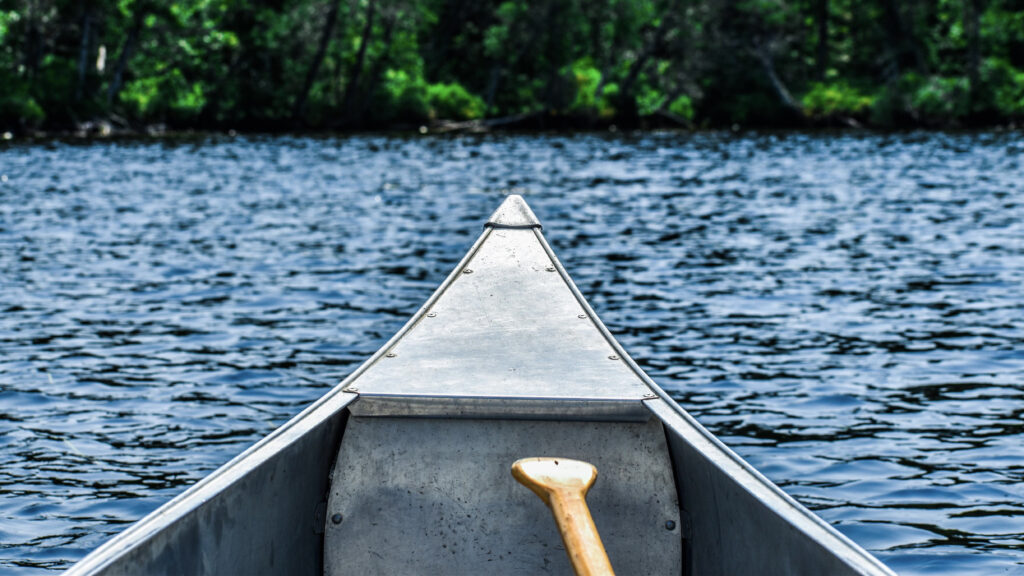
pixel 563 484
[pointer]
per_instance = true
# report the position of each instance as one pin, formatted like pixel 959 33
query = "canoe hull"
pixel 257 514
pixel 506 344
pixel 265 512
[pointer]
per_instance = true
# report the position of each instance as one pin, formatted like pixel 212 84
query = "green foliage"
pixel 141 97
pixel 169 97
pixel 609 95
pixel 7 19
pixel 405 97
pixel 836 98
pixel 409 98
pixel 649 100
pixel 1007 87
pixel 889 104
pixel 773 12
pixel 937 98
pixel 586 79
pixel 242 64
pixel 453 102
pixel 18 107
pixel 682 107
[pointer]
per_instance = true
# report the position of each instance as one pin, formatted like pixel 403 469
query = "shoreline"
pixel 105 132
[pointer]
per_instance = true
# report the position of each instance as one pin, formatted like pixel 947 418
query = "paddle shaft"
pixel 563 484
pixel 579 533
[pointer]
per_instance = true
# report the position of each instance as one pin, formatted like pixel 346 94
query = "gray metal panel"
pixel 254 515
pixel 741 523
pixel 507 326
pixel 513 213
pixel 432 496
pixel 504 408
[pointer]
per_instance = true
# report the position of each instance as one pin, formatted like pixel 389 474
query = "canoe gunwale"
pixel 210 487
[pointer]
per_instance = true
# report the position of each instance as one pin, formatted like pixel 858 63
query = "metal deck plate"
pixel 514 212
pixel 434 496
pixel 506 327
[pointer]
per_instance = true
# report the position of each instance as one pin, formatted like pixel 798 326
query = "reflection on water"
pixel 844 311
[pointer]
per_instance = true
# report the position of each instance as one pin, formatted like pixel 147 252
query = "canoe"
pixel 403 468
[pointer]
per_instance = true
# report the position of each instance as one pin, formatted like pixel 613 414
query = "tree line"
pixel 358 64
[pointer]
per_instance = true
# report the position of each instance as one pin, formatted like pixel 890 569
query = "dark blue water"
pixel 845 311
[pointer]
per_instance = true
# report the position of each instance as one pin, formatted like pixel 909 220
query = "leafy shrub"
pixel 17 106
pixel 649 100
pixel 682 107
pixel 453 102
pixel 141 96
pixel 888 109
pixel 188 100
pixel 167 97
pixel 836 98
pixel 586 78
pixel 1006 86
pixel 404 98
pixel 20 110
pixel 606 101
pixel 939 98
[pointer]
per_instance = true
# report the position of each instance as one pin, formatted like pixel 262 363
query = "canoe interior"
pixel 273 518
pixel 436 496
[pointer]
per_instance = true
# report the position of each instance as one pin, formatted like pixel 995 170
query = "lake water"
pixel 846 311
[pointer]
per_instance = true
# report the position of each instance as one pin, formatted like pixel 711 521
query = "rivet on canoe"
pixel 581 316
pixel 431 314
pixel 467 271
pixel 337 519
pixel 613 357
pixel 650 395
pixel 670 525
pixel 550 268
pixel 391 354
pixel 351 389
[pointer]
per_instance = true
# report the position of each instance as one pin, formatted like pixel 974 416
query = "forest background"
pixel 367 64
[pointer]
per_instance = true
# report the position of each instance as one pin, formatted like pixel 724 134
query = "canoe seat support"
pixel 434 496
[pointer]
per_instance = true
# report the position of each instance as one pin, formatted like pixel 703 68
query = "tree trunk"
pixel 374 76
pixel 554 56
pixel 351 86
pixel 32 54
pixel 499 69
pixel 127 48
pixel 821 60
pixel 650 48
pixel 299 111
pixel 450 21
pixel 83 51
pixel 916 43
pixel 896 40
pixel 493 81
pixel 787 100
pixel 972 15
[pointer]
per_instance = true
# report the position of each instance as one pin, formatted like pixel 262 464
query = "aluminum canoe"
pixel 403 468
